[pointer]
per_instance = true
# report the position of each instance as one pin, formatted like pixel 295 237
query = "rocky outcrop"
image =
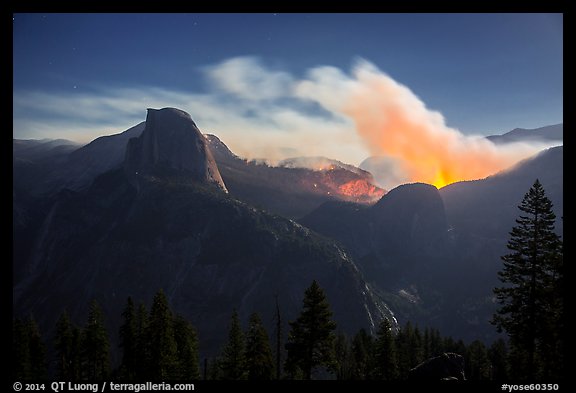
pixel 448 366
pixel 410 217
pixel 171 144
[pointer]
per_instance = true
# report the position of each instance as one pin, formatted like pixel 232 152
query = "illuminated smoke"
pixel 395 123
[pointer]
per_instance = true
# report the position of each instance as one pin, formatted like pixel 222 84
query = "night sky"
pixel 78 76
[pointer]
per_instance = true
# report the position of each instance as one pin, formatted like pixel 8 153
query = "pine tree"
pixel 427 343
pixel 415 343
pixel 362 356
pixel 29 351
pixel 142 345
pixel 436 343
pixel 531 274
pixel 187 345
pixel 160 333
pixel 278 337
pixel 311 338
pixel 386 361
pixel 128 341
pixel 64 347
pixel 96 344
pixel 77 355
pixel 21 351
pixel 404 343
pixel 37 348
pixel 344 362
pixel 498 354
pixel 259 359
pixel 233 362
pixel 477 363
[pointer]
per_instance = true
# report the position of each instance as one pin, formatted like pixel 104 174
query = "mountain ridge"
pixel 210 252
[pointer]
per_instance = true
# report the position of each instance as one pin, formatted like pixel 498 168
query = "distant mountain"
pixel 33 149
pixel 163 220
pixel 67 165
pixel 100 155
pixel 543 134
pixel 484 211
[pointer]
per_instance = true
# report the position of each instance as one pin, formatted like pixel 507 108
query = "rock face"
pixel 171 144
pixel 410 217
pixel 408 223
pixel 444 367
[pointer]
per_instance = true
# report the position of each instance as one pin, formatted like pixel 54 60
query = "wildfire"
pixel 330 167
pixel 361 189
pixel 393 122
pixel 443 178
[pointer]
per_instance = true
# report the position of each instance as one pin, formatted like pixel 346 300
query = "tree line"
pixel 161 345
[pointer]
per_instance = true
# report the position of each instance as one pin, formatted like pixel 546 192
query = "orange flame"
pixel 360 189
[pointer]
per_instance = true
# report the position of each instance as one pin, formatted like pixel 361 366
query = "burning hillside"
pixel 334 178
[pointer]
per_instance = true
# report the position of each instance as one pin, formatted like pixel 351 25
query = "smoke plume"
pixel 393 122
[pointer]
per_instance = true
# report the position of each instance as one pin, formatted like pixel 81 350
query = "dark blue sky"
pixel 486 73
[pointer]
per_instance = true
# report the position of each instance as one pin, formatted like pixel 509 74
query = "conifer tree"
pixel 529 299
pixel 259 359
pixel 96 345
pixel 187 345
pixel 404 343
pixel 128 341
pixel 233 362
pixel 29 351
pixel 477 363
pixel 21 351
pixel 385 358
pixel 38 367
pixel 142 345
pixel 498 354
pixel 311 338
pixel 160 332
pixel 362 356
pixel 344 361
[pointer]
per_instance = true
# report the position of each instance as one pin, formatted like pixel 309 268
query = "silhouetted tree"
pixel 344 361
pixel 311 338
pixel 259 359
pixel 362 355
pixel 96 345
pixel 163 362
pixel 530 306
pixel 187 346
pixel 128 341
pixel 29 351
pixel 67 345
pixel 409 354
pixel 385 357
pixel 142 344
pixel 476 361
pixel 498 354
pixel 233 361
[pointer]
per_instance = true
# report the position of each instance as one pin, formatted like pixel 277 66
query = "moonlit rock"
pixel 172 143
